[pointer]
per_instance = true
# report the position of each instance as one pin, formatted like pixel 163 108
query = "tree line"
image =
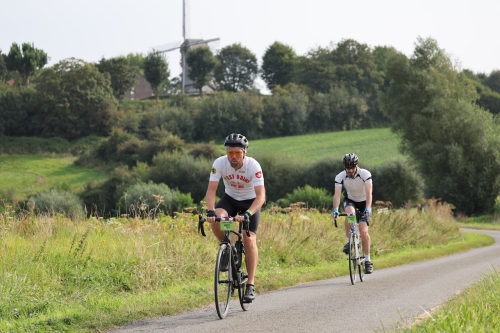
pixel 446 116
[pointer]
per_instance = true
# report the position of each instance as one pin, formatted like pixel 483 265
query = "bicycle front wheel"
pixel 222 283
pixel 353 261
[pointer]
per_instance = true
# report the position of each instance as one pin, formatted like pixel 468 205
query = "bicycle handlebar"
pixel 202 219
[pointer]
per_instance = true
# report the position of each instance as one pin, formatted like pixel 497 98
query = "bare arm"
pixel 336 196
pixel 368 189
pixel 211 194
pixel 260 198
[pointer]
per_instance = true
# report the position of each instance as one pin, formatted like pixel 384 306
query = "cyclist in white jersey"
pixel 244 196
pixel 357 186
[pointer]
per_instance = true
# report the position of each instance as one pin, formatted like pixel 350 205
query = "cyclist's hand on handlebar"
pixel 211 216
pixel 246 216
pixel 368 212
pixel 335 213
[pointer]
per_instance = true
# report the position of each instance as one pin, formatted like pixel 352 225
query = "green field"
pixel 373 146
pixel 28 174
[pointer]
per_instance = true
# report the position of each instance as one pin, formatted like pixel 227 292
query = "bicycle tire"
pixel 242 283
pixel 222 281
pixel 361 269
pixel 353 264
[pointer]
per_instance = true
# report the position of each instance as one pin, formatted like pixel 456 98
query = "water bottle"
pixel 235 256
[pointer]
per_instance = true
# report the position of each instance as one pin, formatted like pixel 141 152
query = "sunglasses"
pixel 350 169
pixel 235 153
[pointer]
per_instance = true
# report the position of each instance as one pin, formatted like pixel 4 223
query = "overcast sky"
pixel 92 29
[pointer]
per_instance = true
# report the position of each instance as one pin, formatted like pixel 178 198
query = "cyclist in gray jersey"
pixel 244 196
pixel 356 183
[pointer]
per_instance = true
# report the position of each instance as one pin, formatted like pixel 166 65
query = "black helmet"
pixel 236 140
pixel 350 160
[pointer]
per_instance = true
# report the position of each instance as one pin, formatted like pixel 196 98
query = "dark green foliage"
pixel 26 60
pixel 313 198
pixel 230 113
pixel 202 63
pixel 56 201
pixel 322 173
pixel 73 100
pixel 237 68
pixel 156 72
pixel 175 120
pixel 145 199
pixel 101 199
pixel 281 174
pixel 339 109
pixel 34 145
pixel 396 182
pixel 278 65
pixel 286 112
pixel 206 150
pixel 453 141
pixel 16 107
pixel 108 150
pixel 182 172
pixel 121 74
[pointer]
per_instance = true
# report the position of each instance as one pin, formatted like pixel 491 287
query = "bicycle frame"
pixel 236 278
pixel 355 257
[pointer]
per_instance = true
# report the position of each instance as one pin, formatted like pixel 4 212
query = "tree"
pixel 3 68
pixel 493 81
pixel 26 60
pixel 316 70
pixel 74 101
pixel 121 73
pixel 202 63
pixel 453 142
pixel 136 61
pixel 355 66
pixel 278 65
pixel 237 68
pixel 156 72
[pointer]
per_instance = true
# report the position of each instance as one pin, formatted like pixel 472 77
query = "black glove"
pixel 246 215
pixel 211 213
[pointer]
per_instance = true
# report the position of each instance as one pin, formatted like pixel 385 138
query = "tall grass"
pixel 59 274
pixel 476 309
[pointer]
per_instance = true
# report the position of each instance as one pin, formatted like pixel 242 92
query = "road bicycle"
pixel 229 265
pixel 355 257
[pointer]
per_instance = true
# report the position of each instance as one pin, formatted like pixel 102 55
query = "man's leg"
pixel 251 255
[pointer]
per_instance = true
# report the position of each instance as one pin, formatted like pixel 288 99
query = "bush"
pixel 55 201
pixel 182 172
pixel 396 182
pixel 146 200
pixel 312 197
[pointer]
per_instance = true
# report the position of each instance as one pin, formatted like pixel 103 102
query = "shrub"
pixel 55 201
pixel 182 172
pixel 313 197
pixel 396 182
pixel 149 199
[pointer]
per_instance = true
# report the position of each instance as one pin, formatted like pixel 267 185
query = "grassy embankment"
pixel 85 276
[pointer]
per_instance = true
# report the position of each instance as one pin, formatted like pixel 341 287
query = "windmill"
pixel 184 46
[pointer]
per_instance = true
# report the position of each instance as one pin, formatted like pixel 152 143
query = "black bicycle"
pixel 355 256
pixel 229 265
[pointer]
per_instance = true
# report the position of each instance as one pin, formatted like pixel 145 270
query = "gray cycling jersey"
pixel 355 187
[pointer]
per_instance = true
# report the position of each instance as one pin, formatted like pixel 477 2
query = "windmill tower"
pixel 184 46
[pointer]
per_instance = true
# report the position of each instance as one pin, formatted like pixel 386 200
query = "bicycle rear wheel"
pixel 353 262
pixel 222 281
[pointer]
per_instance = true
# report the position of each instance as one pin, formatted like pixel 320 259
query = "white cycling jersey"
pixel 355 187
pixel 239 184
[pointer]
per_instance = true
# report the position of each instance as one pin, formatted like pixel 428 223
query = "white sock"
pixel 367 257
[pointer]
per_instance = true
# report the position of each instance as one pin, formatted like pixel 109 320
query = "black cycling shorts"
pixel 360 206
pixel 233 207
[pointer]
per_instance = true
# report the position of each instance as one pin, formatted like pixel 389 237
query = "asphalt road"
pixel 387 298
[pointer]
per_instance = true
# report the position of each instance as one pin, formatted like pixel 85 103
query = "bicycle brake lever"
pixel 200 225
